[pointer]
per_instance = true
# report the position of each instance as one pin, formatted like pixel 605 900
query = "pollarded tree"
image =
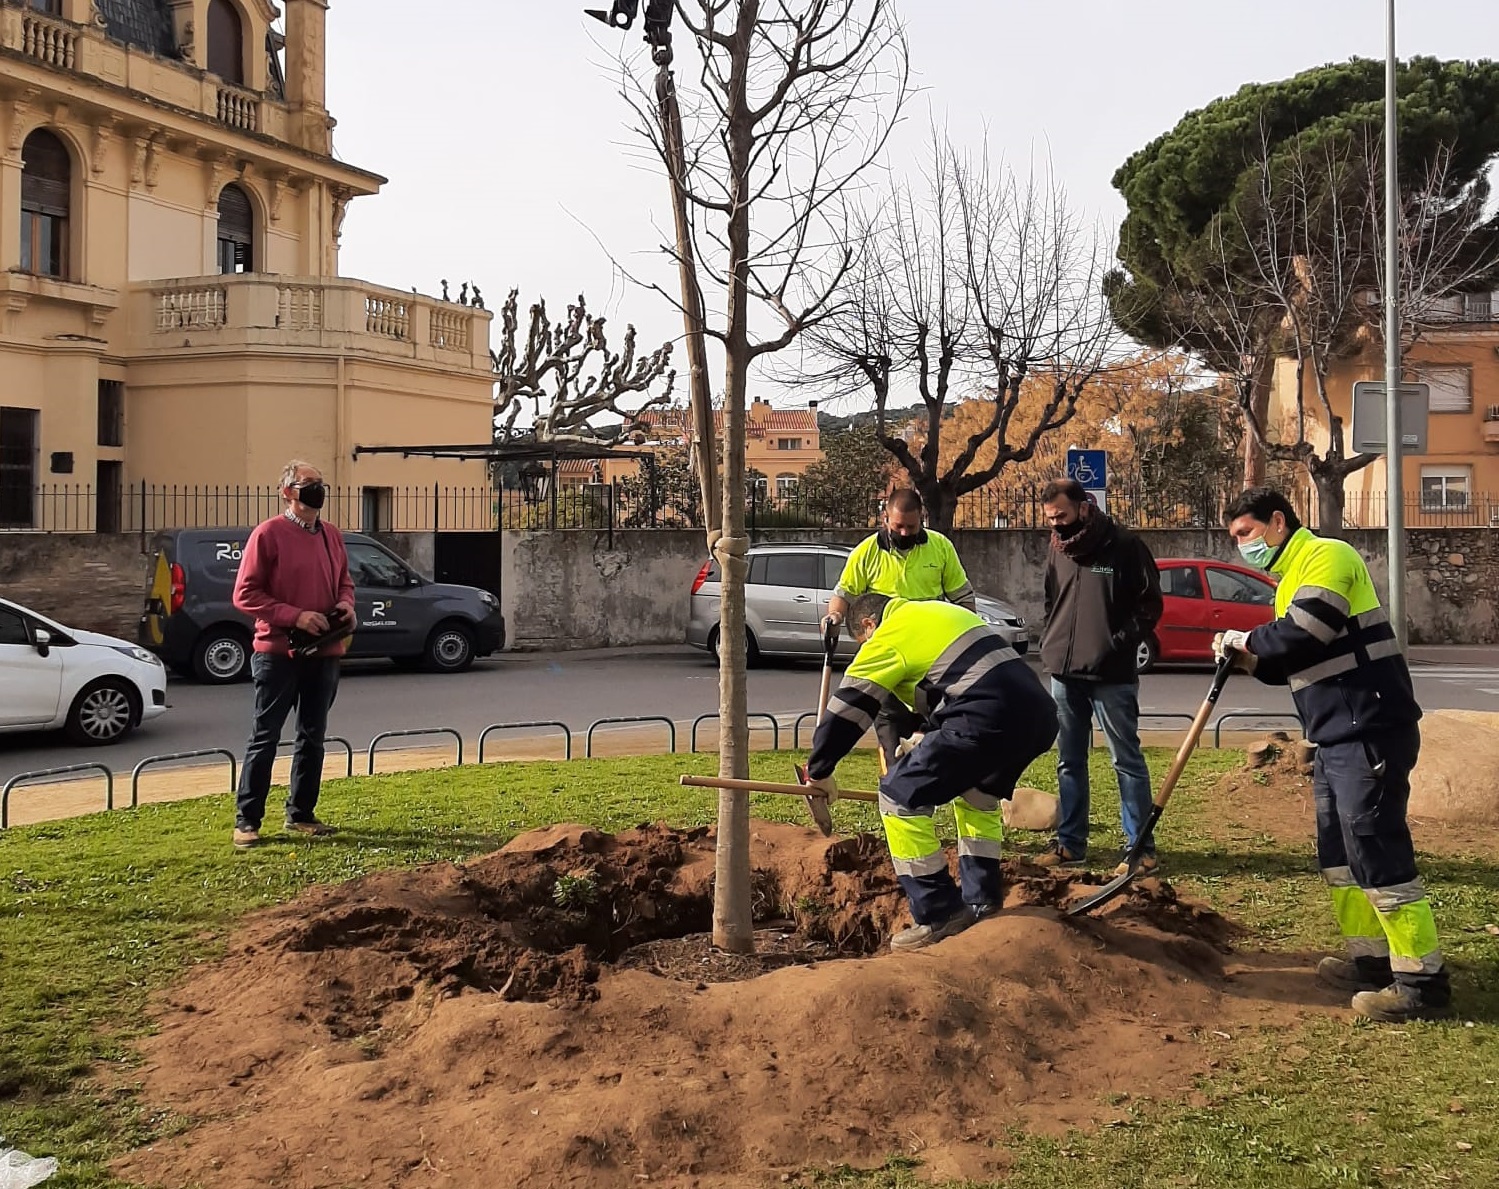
pixel 566 374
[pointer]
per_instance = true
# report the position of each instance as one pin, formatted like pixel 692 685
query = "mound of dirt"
pixel 553 1014
pixel 1271 794
pixel 1457 777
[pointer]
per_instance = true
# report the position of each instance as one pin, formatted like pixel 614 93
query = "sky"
pixel 512 162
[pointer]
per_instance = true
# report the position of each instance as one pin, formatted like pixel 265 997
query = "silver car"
pixel 787 596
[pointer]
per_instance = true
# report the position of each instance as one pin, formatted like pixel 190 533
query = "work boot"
pixel 983 911
pixel 919 936
pixel 1059 856
pixel 1149 865
pixel 1397 1004
pixel 1356 974
pixel 245 837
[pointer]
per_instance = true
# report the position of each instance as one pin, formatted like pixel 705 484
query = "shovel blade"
pixel 1114 888
pixel 816 806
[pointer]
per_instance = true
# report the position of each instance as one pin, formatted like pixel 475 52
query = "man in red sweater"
pixel 294 575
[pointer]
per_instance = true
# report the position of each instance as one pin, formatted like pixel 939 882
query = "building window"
pixel 226 42
pixel 236 231
pixel 788 443
pixel 375 504
pixel 1451 388
pixel 53 8
pixel 46 199
pixel 1446 489
pixel 786 485
pixel 18 462
pixel 111 413
pixel 109 490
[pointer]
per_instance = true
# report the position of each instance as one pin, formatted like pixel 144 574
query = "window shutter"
pixel 1451 388
pixel 47 174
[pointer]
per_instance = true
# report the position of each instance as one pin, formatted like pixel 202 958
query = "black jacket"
pixel 1099 607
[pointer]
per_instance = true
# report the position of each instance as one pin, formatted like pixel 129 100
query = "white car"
pixel 98 688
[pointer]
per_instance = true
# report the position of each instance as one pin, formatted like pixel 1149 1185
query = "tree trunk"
pixel 733 921
pixel 941 506
pixel 1259 402
pixel 1330 500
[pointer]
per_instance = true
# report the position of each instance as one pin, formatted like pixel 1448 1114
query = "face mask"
pixel 905 540
pixel 312 494
pixel 1066 531
pixel 1257 552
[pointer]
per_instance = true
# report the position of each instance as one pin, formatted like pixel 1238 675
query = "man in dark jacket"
pixel 1103 597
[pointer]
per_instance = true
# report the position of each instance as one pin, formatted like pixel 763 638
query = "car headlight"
pixel 488 600
pixel 137 654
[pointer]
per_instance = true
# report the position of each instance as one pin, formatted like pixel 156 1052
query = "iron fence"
pixel 145 508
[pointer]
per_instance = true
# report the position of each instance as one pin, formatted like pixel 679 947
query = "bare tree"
pixel 794 100
pixel 567 374
pixel 980 282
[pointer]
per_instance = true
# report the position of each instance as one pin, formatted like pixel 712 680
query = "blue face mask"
pixel 1256 552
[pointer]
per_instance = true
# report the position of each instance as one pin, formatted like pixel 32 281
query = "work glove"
pixel 833 623
pixel 1236 644
pixel 824 786
pixel 907 746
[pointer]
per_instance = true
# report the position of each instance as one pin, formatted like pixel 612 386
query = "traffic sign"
pixel 1089 467
pixel 1368 429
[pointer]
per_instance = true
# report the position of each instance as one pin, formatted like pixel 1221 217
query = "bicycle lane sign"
pixel 1089 468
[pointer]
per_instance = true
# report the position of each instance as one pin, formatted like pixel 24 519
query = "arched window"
pixel 236 231
pixel 46 199
pixel 226 41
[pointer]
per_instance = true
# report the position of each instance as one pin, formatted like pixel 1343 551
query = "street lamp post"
pixel 1394 468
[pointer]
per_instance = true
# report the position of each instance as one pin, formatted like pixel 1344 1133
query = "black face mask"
pixel 1066 531
pixel 312 495
pixel 905 540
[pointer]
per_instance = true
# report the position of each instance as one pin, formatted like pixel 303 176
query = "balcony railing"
pixel 239 109
pixel 249 310
pixel 191 308
pixel 51 42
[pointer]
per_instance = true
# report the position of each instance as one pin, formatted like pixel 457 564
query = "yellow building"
pixel 780 444
pixel 171 313
pixel 1455 482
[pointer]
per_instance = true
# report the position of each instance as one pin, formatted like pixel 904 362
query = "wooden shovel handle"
pixel 770 786
pixel 1194 733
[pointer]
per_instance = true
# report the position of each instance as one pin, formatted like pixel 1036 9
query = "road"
pixel 579 688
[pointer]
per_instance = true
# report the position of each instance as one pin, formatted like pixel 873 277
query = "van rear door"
pixel 151 631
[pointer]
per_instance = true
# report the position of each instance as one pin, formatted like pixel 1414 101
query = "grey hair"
pixel 289 472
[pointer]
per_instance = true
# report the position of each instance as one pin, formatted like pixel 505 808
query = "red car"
pixel 1202 598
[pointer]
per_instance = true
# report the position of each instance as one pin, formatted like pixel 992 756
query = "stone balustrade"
pixel 49 41
pixel 259 310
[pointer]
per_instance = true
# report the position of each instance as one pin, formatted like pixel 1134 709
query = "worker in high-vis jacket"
pixel 1334 646
pixel 907 559
pixel 987 718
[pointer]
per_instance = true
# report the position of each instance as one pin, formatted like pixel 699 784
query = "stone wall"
pixel 580 589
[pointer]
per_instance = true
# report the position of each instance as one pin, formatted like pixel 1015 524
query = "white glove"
pixel 824 786
pixel 907 746
pixel 1236 643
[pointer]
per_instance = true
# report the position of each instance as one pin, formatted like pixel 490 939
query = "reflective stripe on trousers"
pixel 921 865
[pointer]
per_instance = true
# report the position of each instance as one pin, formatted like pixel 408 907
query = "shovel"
pixel 818 806
pixel 1119 883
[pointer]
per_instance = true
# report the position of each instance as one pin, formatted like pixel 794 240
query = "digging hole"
pixel 540 919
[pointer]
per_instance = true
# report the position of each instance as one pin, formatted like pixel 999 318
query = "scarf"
pixel 1087 540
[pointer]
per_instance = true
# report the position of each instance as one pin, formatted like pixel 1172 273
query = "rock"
pixel 1456 559
pixel 1260 753
pixel 1455 778
pixel 1032 809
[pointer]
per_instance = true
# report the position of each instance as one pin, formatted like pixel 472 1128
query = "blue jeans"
pixel 281 682
pixel 1118 707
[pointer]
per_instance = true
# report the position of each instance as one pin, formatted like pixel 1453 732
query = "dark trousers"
pixel 1368 860
pixel 972 755
pixel 281 682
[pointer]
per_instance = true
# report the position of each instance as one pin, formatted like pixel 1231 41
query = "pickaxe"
pixel 818 806
pixel 816 801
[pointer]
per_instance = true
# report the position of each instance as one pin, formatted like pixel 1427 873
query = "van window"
pixel 792 569
pixel 832 569
pixel 372 566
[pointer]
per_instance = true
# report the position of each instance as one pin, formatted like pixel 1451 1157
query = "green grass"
pixel 98 913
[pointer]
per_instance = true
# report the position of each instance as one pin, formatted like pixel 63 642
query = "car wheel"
pixel 1147 652
pixel 222 656
pixel 751 649
pixel 450 648
pixel 104 712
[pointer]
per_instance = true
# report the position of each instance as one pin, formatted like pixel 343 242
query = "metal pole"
pixel 1394 468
